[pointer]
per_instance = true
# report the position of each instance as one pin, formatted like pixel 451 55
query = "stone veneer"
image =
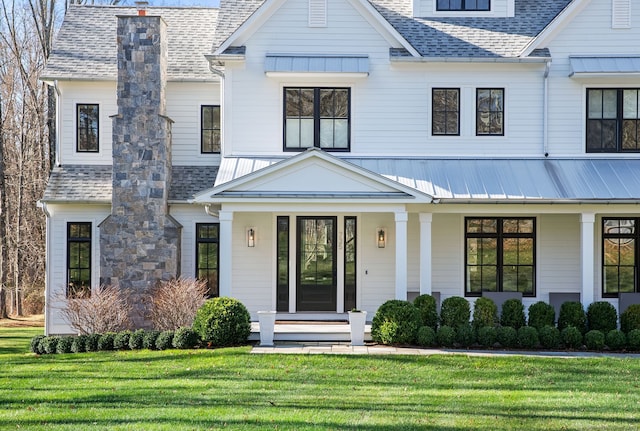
pixel 140 241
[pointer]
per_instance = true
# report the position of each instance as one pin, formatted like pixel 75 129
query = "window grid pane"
pixel 210 129
pixel 489 111
pixel 78 260
pixel 620 241
pixel 445 104
pixel 207 256
pixel 613 120
pixel 87 120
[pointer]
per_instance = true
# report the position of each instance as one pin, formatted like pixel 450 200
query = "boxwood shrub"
pixel 512 314
pixel 185 338
pixel 396 322
pixel 633 339
pixel 446 336
pixel 164 340
pixel 426 336
pixel 528 337
pixel 602 316
pixel 507 336
pixel 616 340
pixel 105 342
pixel 426 305
pixel 571 337
pixel 34 346
pixel 487 336
pixel 78 345
pixel 594 340
pixel 572 314
pixel 465 335
pixel 455 311
pixel 91 342
pixel 630 318
pixel 136 339
pixel 549 337
pixel 223 322
pixel 50 344
pixel 121 340
pixel 485 313
pixel 149 339
pixel 541 314
pixel 64 344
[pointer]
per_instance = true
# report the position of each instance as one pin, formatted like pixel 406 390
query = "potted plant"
pixel 267 320
pixel 357 320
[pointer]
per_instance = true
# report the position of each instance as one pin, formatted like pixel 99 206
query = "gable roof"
pixel 85 47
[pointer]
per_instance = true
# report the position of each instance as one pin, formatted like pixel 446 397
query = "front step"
pixel 309 330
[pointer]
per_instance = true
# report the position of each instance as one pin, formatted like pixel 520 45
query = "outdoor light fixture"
pixel 381 237
pixel 251 237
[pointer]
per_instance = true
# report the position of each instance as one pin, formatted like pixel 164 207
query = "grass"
pixel 233 389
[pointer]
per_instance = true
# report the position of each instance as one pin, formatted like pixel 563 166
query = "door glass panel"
pixel 316 264
pixel 349 263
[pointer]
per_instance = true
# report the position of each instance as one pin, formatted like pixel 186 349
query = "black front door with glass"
pixel 316 264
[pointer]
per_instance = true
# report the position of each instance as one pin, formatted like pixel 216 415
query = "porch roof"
pixel 489 180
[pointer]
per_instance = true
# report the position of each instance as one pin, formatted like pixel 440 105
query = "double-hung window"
pixel 210 129
pixel 317 117
pixel 78 260
pixel 500 255
pixel 613 120
pixel 620 263
pixel 463 5
pixel 207 256
pixel 489 111
pixel 445 111
pixel 87 128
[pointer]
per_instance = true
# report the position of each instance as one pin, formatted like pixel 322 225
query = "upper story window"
pixel 445 111
pixel 613 120
pixel 489 111
pixel 463 5
pixel 210 129
pixel 317 117
pixel 620 263
pixel 78 260
pixel 87 123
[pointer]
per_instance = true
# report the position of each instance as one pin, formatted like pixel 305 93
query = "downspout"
pixel 47 269
pixel 207 209
pixel 545 111
pixel 57 146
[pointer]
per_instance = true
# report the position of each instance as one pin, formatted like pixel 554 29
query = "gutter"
pixel 47 271
pixel 512 60
pixel 545 111
pixel 57 146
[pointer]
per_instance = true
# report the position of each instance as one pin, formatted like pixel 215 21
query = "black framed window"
pixel 489 111
pixel 463 5
pixel 445 111
pixel 78 260
pixel 282 271
pixel 87 128
pixel 620 263
pixel 207 256
pixel 613 120
pixel 317 117
pixel 210 129
pixel 500 255
pixel 350 258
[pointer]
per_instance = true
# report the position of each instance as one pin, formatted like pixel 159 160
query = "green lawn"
pixel 232 389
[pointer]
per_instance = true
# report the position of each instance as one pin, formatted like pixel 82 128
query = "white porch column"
pixel 225 251
pixel 401 255
pixel 587 256
pixel 425 253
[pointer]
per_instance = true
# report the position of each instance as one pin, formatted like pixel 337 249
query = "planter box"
pixel 267 320
pixel 357 320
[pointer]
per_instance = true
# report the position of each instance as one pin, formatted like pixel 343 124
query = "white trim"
pixel 225 252
pixel 425 249
pixel 401 267
pixel 587 257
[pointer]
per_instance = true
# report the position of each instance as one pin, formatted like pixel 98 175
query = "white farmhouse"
pixel 314 156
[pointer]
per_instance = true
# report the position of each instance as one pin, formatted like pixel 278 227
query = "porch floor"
pixel 313 331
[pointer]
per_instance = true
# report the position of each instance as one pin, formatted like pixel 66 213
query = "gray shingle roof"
pixel 85 47
pixel 92 183
pixel 233 13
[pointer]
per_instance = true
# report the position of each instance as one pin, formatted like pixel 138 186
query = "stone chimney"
pixel 140 241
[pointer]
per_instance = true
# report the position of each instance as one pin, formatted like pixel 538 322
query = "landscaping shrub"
pixel 630 318
pixel 396 322
pixel 446 336
pixel 602 316
pixel 465 335
pixel 507 336
pixel 633 339
pixel 185 338
pixel 541 314
pixel 105 342
pixel 121 340
pixel 64 344
pixel 571 337
pixel 528 337
pixel 485 313
pixel 136 339
pixel 34 346
pixel 91 342
pixel 164 340
pixel 512 314
pixel 549 337
pixel 455 311
pixel 50 344
pixel 616 340
pixel 572 314
pixel 174 304
pixel 225 322
pixel 487 336
pixel 594 340
pixel 149 339
pixel 426 305
pixel 106 309
pixel 78 345
pixel 426 336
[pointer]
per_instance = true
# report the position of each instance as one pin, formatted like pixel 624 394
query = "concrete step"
pixel 309 331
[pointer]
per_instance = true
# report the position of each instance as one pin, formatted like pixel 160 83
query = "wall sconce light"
pixel 381 237
pixel 251 237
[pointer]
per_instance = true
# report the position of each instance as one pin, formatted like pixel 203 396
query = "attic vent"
pixel 317 13
pixel 621 14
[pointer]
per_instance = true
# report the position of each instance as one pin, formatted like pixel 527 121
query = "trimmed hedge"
pixel 164 340
pixel 487 336
pixel 528 337
pixel 633 339
pixel 465 335
pixel 572 314
pixel 34 346
pixel 223 322
pixel 549 337
pixel 485 313
pixel 602 316
pixel 594 340
pixel 185 338
pixel 426 336
pixel 446 336
pixel 149 339
pixel 121 340
pixel 630 318
pixel 455 311
pixel 571 337
pixel 64 344
pixel 507 336
pixel 136 339
pixel 396 322
pixel 426 305
pixel 616 340
pixel 105 342
pixel 541 314
pixel 512 314
pixel 78 344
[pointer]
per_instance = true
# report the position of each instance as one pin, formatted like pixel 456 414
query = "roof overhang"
pixel 356 66
pixel 604 66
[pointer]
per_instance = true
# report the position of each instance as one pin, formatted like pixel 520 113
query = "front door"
pixel 316 266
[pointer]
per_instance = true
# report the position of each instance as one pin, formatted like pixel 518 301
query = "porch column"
pixel 587 223
pixel 225 251
pixel 401 255
pixel 425 253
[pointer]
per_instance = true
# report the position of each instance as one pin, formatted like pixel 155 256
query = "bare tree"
pixel 107 309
